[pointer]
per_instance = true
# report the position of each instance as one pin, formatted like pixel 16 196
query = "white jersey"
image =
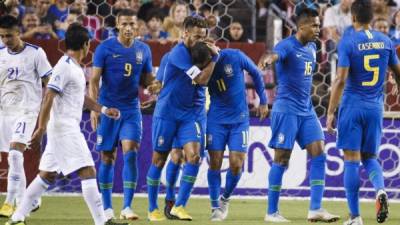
pixel 68 79
pixel 20 78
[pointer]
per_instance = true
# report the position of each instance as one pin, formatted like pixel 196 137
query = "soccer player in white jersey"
pixel 66 150
pixel 23 68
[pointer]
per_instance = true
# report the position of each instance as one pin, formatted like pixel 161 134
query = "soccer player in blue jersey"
pixel 175 117
pixel 293 117
pixel 363 60
pixel 121 63
pixel 228 123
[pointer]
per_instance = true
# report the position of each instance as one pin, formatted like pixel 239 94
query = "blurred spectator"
pixel 381 25
pixel 135 5
pixel 109 30
pixel 381 8
pixel 142 29
pixel 14 11
pixel 158 4
pixel 394 32
pixel 236 33
pixel 174 22
pixel 195 6
pixel 262 8
pixel 59 9
pixel 72 17
pixel 92 23
pixel 154 24
pixel 41 9
pixel 337 18
pixel 31 28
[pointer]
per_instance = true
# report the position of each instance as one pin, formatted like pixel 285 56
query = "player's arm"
pixel 92 105
pixel 336 95
pixel 268 60
pixel 94 84
pixel 204 75
pixel 255 74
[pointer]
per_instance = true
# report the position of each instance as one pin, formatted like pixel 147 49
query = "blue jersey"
pixel 122 68
pixel 180 98
pixel 227 87
pixel 294 68
pixel 367 54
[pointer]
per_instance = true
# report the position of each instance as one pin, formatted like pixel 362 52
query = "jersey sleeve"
pixel 393 59
pixel 59 78
pixel 282 50
pixel 43 66
pixel 255 73
pixel 148 63
pixel 344 53
pixel 161 68
pixel 99 56
pixel 182 60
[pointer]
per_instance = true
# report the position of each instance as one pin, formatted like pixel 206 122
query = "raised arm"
pixel 205 74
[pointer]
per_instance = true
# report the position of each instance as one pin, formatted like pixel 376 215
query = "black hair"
pixel 154 13
pixel 194 21
pixel 200 53
pixel 305 14
pixel 8 22
pixel 125 12
pixel 76 37
pixel 362 11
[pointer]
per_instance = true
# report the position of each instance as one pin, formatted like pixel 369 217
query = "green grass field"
pixel 73 211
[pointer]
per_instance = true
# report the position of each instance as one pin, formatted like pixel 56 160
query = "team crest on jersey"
pixel 99 140
pixel 139 57
pixel 228 70
pixel 281 138
pixel 160 141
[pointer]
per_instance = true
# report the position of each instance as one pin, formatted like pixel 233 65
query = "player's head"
pixel 201 54
pixel 308 24
pixel 9 31
pixel 127 24
pixel 194 30
pixel 77 38
pixel 381 25
pixel 362 11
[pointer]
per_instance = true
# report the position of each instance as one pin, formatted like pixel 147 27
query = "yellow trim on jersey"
pixel 369 34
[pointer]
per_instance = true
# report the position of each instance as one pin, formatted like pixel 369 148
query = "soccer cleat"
pixel 321 215
pixel 224 204
pixel 216 215
pixel 6 210
pixel 275 218
pixel 180 213
pixel 109 213
pixel 128 214
pixel 10 222
pixel 111 222
pixel 355 221
pixel 155 215
pixel 167 209
pixel 382 206
pixel 38 203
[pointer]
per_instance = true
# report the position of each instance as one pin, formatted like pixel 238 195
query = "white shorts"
pixel 66 154
pixel 16 127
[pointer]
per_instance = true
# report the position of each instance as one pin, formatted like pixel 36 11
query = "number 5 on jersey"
pixel 128 70
pixel 373 69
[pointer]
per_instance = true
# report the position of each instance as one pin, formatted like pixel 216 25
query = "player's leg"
pixel 284 129
pixel 350 139
pixel 107 137
pixel 172 174
pixel 372 132
pixel 163 133
pixel 190 135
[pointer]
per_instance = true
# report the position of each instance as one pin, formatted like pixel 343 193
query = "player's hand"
pixel 94 119
pixel 147 104
pixel 266 62
pixel 112 113
pixel 36 139
pixel 262 111
pixel 155 87
pixel 330 120
pixel 213 48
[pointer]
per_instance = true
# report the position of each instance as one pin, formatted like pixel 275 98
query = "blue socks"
pixel 171 177
pixel 374 172
pixel 214 186
pixel 153 182
pixel 188 179
pixel 352 186
pixel 274 189
pixel 231 183
pixel 317 180
pixel 129 176
pixel 106 178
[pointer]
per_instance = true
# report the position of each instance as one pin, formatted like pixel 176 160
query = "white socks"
pixel 16 177
pixel 35 190
pixel 92 198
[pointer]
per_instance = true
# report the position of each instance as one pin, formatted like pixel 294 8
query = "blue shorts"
pixel 288 128
pixel 164 132
pixel 110 131
pixel 203 123
pixel 236 136
pixel 359 129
